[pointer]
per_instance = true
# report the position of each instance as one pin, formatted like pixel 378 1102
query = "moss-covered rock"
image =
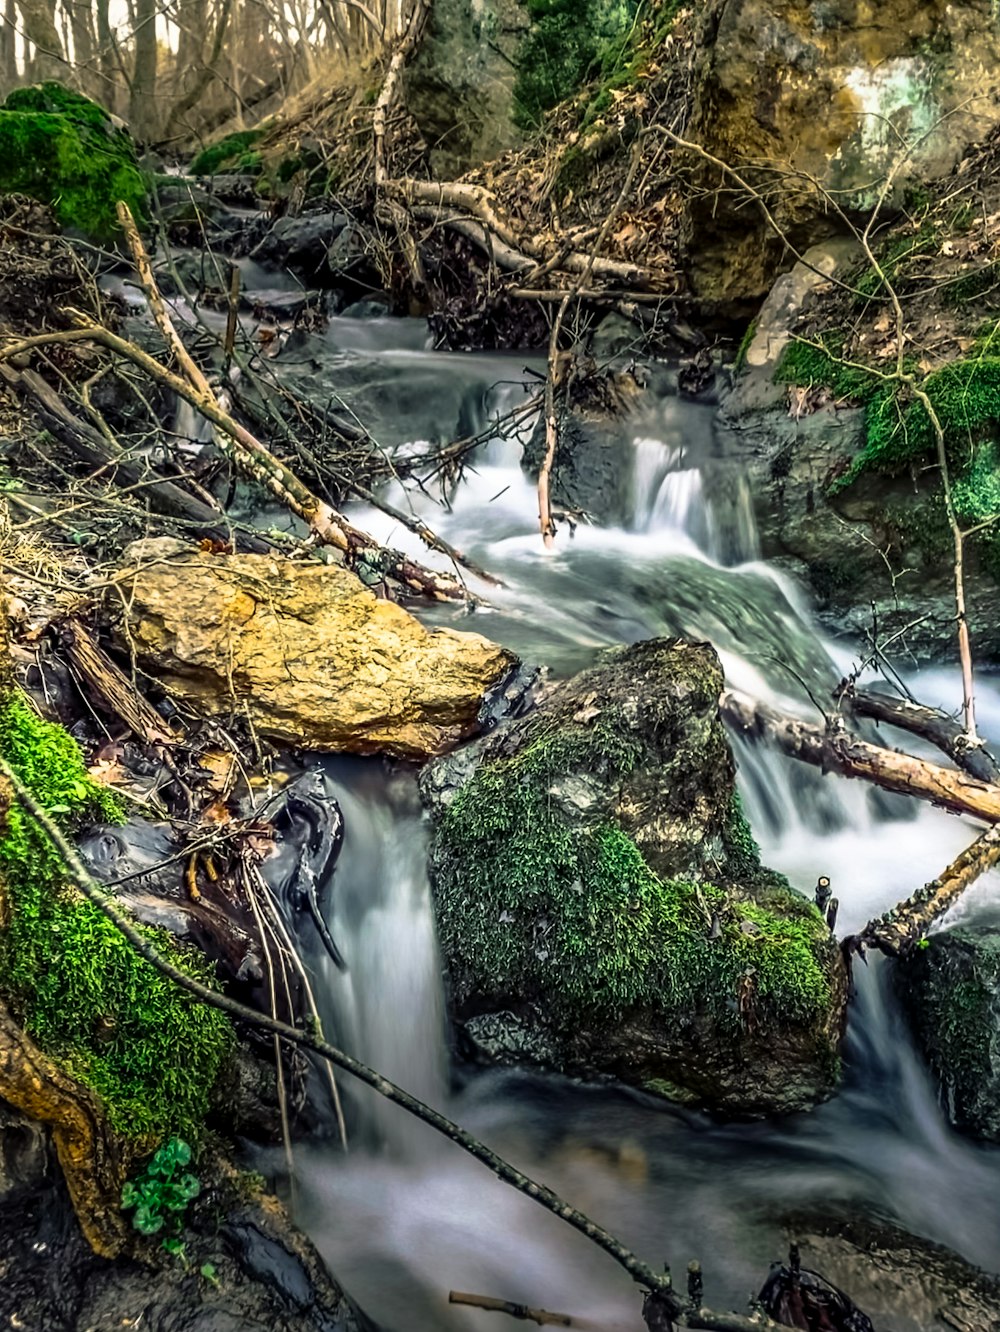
pixel 79 989
pixel 952 993
pixel 601 904
pixel 64 150
pixel 235 153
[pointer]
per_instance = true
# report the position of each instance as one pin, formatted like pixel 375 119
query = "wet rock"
pixel 952 994
pixel 309 654
pixel 588 478
pixel 24 1155
pixel 281 305
pixel 265 1276
pixel 592 874
pixel 904 1283
pixel 301 244
pixel 840 545
pixel 829 90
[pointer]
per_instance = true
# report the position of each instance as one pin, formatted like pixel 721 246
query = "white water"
pixel 406 1217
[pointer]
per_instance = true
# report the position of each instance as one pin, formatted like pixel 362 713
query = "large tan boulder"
pixel 307 652
pixel 840 92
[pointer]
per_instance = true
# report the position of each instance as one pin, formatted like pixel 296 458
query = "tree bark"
pixel 836 750
pixel 906 924
pixel 143 117
pixel 929 723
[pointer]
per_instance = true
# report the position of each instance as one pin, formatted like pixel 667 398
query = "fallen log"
pixel 930 724
pixel 906 924
pixel 835 749
pixel 112 686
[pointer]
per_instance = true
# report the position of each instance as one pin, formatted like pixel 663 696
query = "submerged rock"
pixel 601 905
pixel 307 653
pixel 952 993
pixel 903 1282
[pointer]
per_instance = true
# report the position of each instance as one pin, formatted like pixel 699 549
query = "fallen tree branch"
pixel 930 724
pixel 540 1316
pixel 906 924
pixel 836 750
pixel 164 495
pixel 254 460
pixel 456 202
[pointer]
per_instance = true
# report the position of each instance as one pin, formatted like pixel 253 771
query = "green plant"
pixel 228 153
pixel 111 1020
pixel 161 1195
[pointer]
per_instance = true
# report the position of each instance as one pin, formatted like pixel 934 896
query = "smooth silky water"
pixel 406 1216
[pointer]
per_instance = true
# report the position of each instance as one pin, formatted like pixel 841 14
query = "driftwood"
pixel 835 749
pixel 540 1316
pixel 929 723
pixel 112 686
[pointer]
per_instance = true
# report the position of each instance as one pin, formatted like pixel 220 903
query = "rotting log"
pixel 89 1153
pixel 930 724
pixel 112 686
pixel 835 749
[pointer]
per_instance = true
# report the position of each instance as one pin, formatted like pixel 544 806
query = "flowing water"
pixel 407 1216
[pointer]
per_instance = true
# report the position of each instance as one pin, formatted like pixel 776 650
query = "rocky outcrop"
pixel 601 905
pixel 884 541
pixel 952 993
pixel 829 91
pixel 460 87
pixel 306 652
pixel 903 1282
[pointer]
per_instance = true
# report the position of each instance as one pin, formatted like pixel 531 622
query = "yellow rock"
pixel 307 652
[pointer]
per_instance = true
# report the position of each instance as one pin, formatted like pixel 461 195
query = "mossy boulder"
pixel 601 904
pixel 235 154
pixel 64 150
pixel 951 990
pixel 81 993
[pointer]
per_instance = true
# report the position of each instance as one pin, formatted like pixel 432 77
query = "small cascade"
pixel 387 1007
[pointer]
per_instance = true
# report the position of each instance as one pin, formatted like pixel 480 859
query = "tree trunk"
pixel 48 60
pixel 143 117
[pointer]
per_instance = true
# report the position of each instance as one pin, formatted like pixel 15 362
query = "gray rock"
pixel 301 244
pixel 24 1155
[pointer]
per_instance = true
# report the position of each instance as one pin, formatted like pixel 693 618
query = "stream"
pixel 406 1216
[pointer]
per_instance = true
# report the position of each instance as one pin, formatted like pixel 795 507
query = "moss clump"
pixel 146 1048
pixel 63 150
pixel 233 153
pixel 576 918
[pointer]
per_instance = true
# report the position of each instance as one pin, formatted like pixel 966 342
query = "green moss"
pixel 226 154
pixel 577 916
pixel 148 1050
pixel 63 150
pixel 744 347
pixel 739 843
pixel 892 258
pixel 972 286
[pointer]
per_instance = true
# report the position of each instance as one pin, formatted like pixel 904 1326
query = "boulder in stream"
pixel 306 652
pixel 952 993
pixel 601 905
